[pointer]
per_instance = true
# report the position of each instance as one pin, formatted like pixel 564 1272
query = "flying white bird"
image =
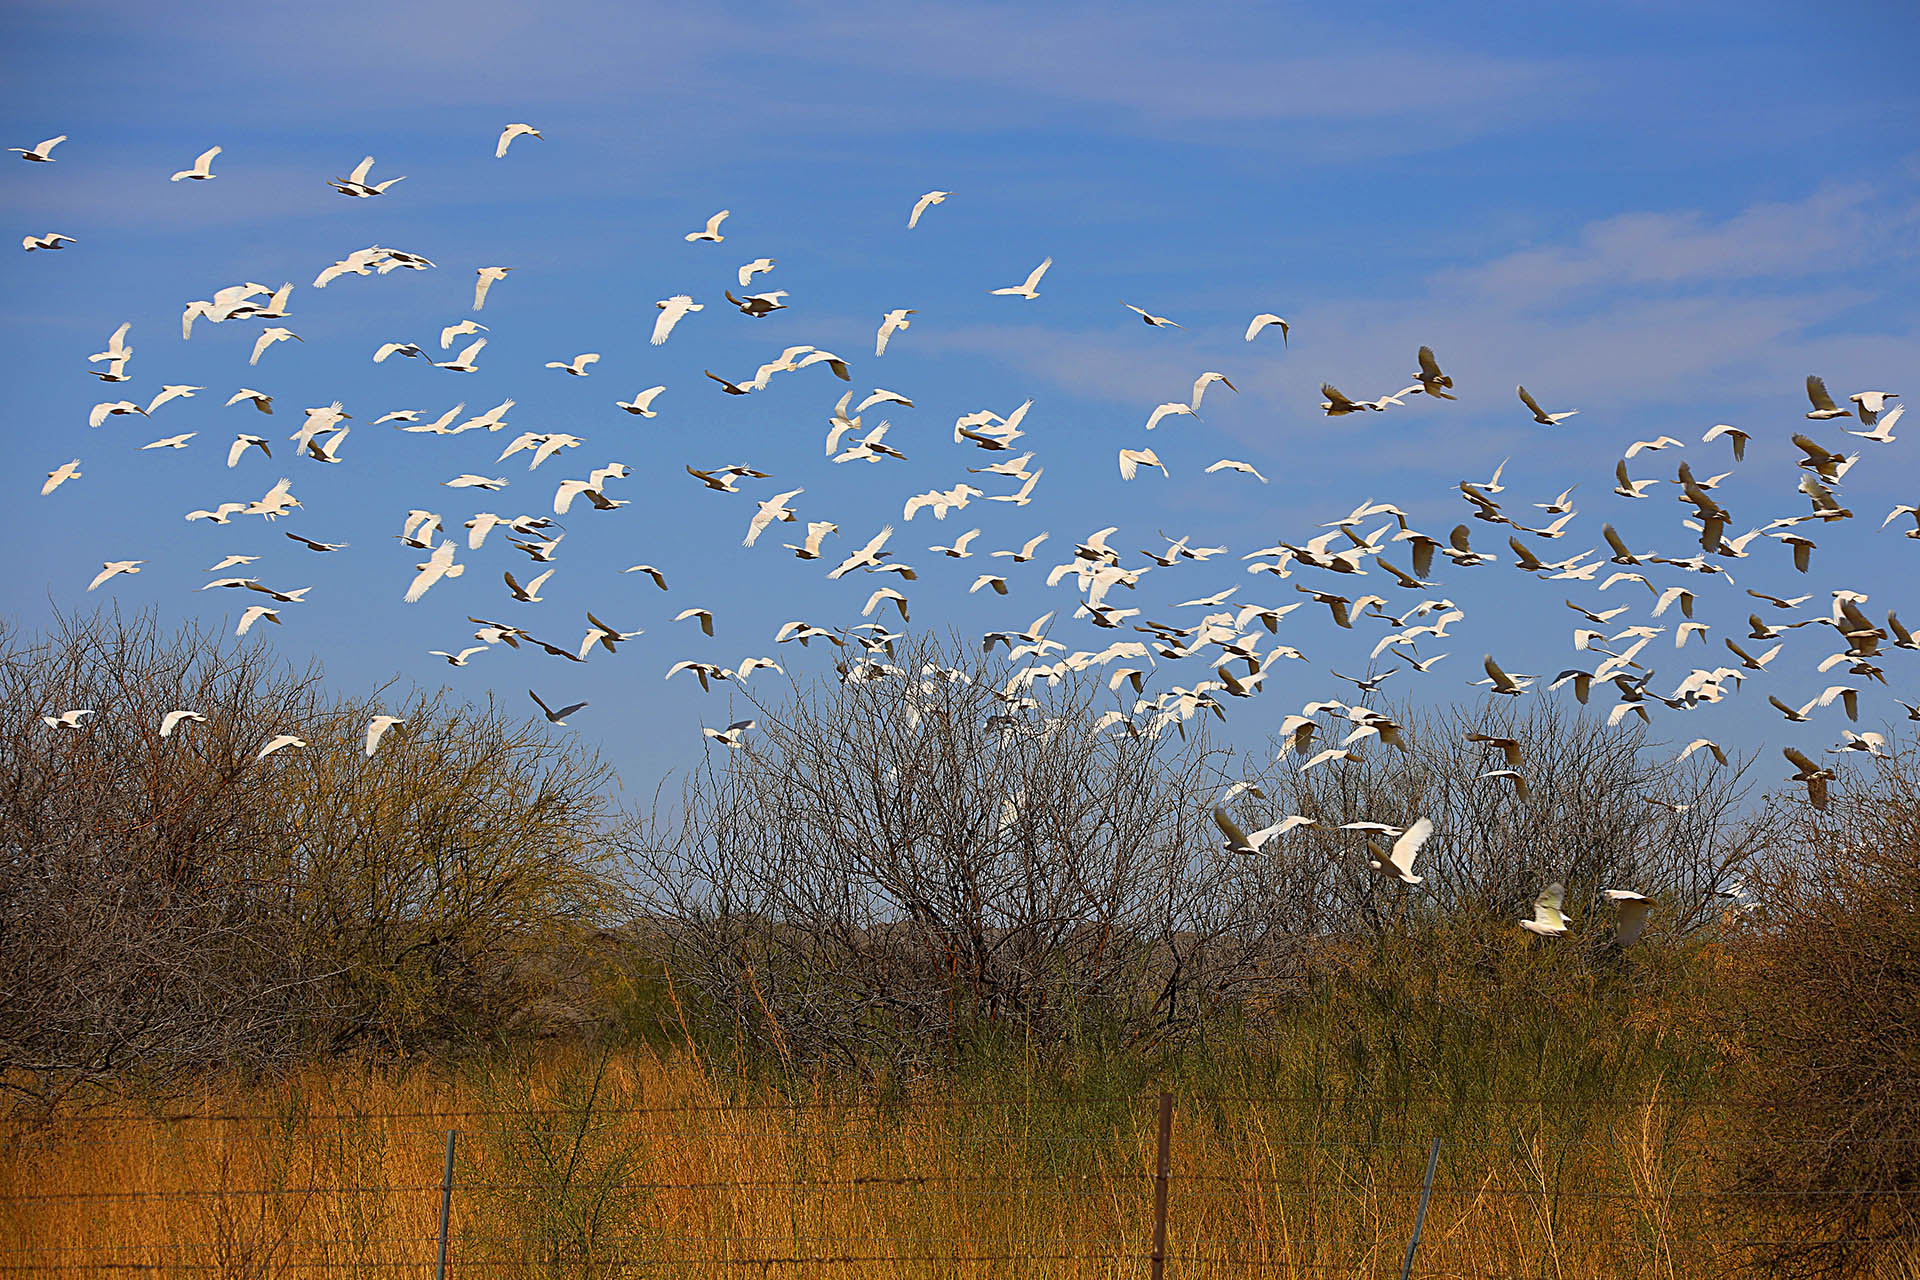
pixel 171 442
pixel 1501 681
pixel 1814 776
pixel 1632 914
pixel 66 719
pixel 377 729
pixel 117 348
pixel 51 240
pixel 1207 379
pixel 489 276
pixel 1700 743
pixel 920 207
pixel 1882 433
pixel 355 184
pixel 712 230
pixel 41 154
pixel 732 735
pixel 1157 322
pixel 1031 289
pixel 1540 415
pixel 886 593
pixel 704 616
pixel 1026 552
pixel 60 475
pixel 1629 487
pixel 1231 464
pixel 457 659
pixel 279 742
pixel 202 168
pixel 276 502
pixel 1430 379
pixel 1406 847
pixel 1338 403
pixel 507 135
pixel 275 307
pixel 260 399
pixel 757 306
pixel 642 403
pixel 252 615
pixel 1264 319
pixel 1174 408
pixel 1549 921
pixel 869 555
pixel 958 551
pixel 758 267
pixel 891 323
pixel 1734 434
pixel 1240 841
pixel 1651 446
pixel 817 531
pixel 113 409
pixel 1024 494
pixel 452 331
pixel 774 508
pixel 1869 405
pixel 242 443
pixel 555 717
pixel 112 568
pixel 173 719
pixel 1823 405
pixel 578 366
pixel 1131 460
pixel 313 545
pixel 436 566
pixel 659 579
pixel 269 336
pixel 671 311
pixel 465 361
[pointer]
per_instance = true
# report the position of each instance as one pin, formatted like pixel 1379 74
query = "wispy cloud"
pixel 863 69
pixel 1832 230
pixel 1628 313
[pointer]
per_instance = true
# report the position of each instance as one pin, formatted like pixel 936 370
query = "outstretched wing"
pixel 1817 392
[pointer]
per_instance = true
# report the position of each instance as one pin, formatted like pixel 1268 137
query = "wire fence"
pixel 581 1192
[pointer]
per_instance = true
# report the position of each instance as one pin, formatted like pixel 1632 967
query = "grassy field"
pixel 642 1162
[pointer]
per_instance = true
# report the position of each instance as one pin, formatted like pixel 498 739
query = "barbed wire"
pixel 886 1109
pixel 770 1260
pixel 1122 1244
pixel 1209 1186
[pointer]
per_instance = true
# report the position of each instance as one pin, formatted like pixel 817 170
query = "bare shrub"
pixel 897 862
pixel 1823 989
pixel 131 926
pixel 168 905
pixel 437 889
pixel 901 860
pixel 1604 808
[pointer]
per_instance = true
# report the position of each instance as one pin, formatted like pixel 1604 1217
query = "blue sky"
pixel 1665 216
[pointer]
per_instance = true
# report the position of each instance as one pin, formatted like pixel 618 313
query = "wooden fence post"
pixel 1420 1218
pixel 446 1206
pixel 1162 1167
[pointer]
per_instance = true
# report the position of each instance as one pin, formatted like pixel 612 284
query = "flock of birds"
pixel 1230 640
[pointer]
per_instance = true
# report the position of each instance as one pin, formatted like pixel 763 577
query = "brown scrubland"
pixel 895 991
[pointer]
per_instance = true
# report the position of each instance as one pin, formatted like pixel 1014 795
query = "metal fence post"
pixel 1162 1167
pixel 1420 1218
pixel 446 1206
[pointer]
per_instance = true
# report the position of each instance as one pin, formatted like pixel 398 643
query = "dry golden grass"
pixel 639 1163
